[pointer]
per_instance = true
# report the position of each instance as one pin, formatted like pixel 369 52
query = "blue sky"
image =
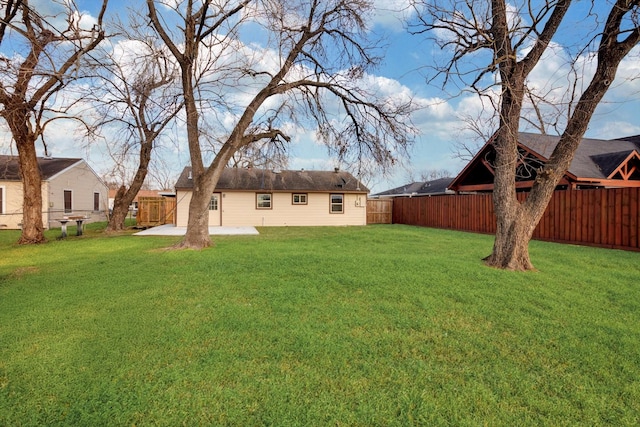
pixel 440 121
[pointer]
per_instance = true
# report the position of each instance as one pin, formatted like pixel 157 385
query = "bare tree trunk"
pixel 511 245
pixel 121 203
pixel 197 236
pixel 124 197
pixel 32 226
pixel 513 224
pixel 515 227
pixel 515 221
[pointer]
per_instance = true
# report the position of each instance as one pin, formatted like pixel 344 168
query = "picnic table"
pixel 77 219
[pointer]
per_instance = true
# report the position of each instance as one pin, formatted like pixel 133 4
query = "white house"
pixel 260 197
pixel 69 188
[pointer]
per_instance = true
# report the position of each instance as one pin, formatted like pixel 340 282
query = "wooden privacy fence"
pixel 379 211
pixel 598 217
pixel 154 211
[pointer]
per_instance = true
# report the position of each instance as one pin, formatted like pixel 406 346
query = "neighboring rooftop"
pixel 420 188
pixel 593 157
pixel 49 166
pixel 250 179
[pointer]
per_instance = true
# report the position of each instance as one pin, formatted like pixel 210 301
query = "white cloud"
pixel 58 13
pixel 392 14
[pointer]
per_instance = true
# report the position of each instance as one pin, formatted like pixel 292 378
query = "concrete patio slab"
pixel 172 230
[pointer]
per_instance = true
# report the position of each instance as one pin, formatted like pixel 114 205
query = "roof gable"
pixel 628 168
pixel 609 162
pixel 49 167
pixel 250 179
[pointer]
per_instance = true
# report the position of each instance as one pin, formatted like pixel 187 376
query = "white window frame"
pixel 303 198
pixel 261 199
pixel 214 203
pixel 96 208
pixel 333 204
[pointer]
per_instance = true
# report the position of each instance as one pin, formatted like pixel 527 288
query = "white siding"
pixel 79 178
pixel 183 198
pixel 83 183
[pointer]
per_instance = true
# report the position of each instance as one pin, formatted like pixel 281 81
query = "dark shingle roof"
pixel 286 180
pixel 634 138
pixel 610 161
pixel 593 158
pixel 10 169
pixel 437 186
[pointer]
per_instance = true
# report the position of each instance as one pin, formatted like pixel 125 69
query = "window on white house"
pixel 96 202
pixel 213 203
pixel 68 208
pixel 263 200
pixel 299 199
pixel 337 203
pixel 1 200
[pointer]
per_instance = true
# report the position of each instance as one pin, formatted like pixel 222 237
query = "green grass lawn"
pixel 354 326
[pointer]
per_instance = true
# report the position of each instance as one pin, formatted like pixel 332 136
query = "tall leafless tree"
pixel 313 66
pixel 516 38
pixel 136 98
pixel 54 45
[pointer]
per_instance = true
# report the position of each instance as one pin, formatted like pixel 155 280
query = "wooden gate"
pixel 153 211
pixel 379 211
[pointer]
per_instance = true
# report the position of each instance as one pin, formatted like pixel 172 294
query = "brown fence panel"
pixel 153 211
pixel 633 218
pixel 379 211
pixel 599 217
pixel 469 212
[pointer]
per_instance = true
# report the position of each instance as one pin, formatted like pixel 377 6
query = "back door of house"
pixel 215 210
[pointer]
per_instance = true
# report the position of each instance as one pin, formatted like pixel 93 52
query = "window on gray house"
pixel 67 201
